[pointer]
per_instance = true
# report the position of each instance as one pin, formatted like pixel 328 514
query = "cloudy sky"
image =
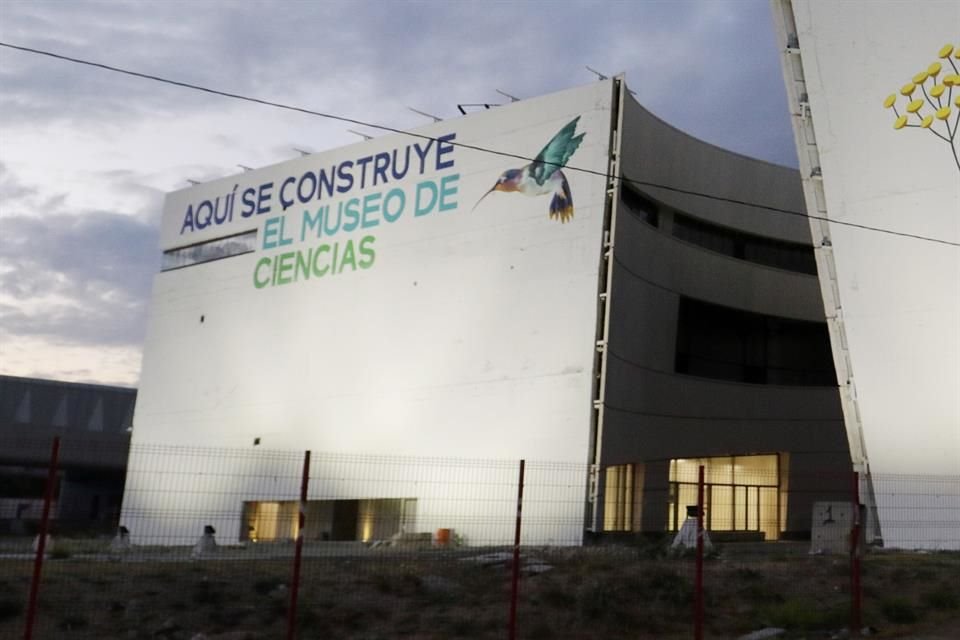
pixel 86 155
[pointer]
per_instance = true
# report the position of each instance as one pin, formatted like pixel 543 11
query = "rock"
pixel 762 634
pixel 490 559
pixel 535 568
pixel 411 540
pixel 167 628
pixel 529 566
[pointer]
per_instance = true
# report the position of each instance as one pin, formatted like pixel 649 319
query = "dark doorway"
pixel 345 514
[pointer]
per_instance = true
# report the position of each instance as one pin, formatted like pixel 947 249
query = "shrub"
pixel 558 595
pixel 10 609
pixel 759 592
pixel 899 610
pixel 805 615
pixel 60 553
pixel 459 627
pixel 668 586
pixel 73 621
pixel 925 573
pixel 263 586
pixel 542 630
pixel 595 597
pixel 746 574
pixel 208 593
pixel 943 597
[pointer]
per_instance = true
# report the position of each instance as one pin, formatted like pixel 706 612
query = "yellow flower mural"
pixel 930 101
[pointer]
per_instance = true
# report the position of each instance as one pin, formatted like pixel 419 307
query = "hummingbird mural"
pixel 544 176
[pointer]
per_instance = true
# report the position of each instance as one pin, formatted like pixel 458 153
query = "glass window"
pixel 779 254
pixel 756 470
pixel 208 251
pixel 640 206
pixel 740 492
pixel 704 235
pixel 729 344
pixel 618 498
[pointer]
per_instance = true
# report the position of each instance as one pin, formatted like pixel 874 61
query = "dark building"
pixel 717 350
pixel 93 422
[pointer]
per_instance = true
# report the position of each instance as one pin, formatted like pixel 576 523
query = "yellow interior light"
pixel 944 113
pixel 914 106
pixel 920 77
pixel 927 121
pixel 945 51
pixel 908 88
pixel 934 69
pixel 889 101
pixel 937 91
pixel 900 122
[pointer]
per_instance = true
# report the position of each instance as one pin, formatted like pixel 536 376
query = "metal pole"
pixel 515 581
pixel 42 539
pixel 856 605
pixel 698 579
pixel 298 553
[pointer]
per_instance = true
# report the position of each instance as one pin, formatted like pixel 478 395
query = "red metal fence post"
pixel 698 579
pixel 856 595
pixel 42 539
pixel 514 589
pixel 298 553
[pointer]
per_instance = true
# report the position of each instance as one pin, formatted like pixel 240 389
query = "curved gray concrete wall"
pixel 654 152
pixel 652 413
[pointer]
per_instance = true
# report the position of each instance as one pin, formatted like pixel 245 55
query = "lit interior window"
pixel 741 493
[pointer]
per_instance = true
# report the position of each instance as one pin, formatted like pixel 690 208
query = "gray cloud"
pixel 11 188
pixel 696 63
pixel 82 279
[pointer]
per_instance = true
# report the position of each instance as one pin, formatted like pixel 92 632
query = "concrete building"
pixel 879 156
pixel 718 352
pixel 384 298
pixel 93 423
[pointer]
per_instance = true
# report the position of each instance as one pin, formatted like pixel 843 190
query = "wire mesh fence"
pixel 202 543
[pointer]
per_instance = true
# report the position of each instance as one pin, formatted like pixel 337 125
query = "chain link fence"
pixel 224 543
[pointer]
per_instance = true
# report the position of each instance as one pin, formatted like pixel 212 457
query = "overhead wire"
pixel 463 145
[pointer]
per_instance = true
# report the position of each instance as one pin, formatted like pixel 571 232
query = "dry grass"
pixel 589 593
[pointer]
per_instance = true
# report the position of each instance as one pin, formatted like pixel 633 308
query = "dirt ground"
pixel 579 593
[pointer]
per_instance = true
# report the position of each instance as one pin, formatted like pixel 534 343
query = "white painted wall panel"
pixel 899 297
pixel 470 335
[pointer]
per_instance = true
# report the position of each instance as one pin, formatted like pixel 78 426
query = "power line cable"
pixel 505 154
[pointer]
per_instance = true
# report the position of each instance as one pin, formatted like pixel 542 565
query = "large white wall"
pixel 471 334
pixel 899 296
